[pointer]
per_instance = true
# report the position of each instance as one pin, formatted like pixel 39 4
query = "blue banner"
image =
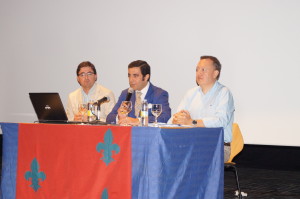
pixel 177 163
pixel 9 160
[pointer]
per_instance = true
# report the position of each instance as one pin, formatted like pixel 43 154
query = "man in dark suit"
pixel 139 81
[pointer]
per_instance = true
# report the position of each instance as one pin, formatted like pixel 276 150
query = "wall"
pixel 257 42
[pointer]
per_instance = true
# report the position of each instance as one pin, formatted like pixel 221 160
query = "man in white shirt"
pixel 210 104
pixel 90 90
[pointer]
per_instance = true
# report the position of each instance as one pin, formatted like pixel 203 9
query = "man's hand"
pixel 79 117
pixel 183 117
pixel 121 114
pixel 123 120
pixel 129 121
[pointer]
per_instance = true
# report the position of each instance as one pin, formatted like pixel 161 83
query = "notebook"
pixel 49 108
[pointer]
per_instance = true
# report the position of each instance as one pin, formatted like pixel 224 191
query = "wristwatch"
pixel 194 122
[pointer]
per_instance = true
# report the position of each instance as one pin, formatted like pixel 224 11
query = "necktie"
pixel 138 103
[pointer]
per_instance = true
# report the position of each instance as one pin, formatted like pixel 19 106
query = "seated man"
pixel 90 90
pixel 210 104
pixel 139 77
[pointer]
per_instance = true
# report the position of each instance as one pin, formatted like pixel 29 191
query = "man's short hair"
pixel 144 66
pixel 216 63
pixel 86 64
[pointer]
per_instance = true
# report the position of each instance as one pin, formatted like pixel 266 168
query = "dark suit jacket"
pixel 154 95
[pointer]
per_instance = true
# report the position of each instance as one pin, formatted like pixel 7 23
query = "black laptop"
pixel 49 109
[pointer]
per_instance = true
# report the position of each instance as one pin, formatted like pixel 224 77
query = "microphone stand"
pixel 98 111
pixel 98 104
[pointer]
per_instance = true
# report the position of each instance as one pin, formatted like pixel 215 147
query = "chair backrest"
pixel 237 143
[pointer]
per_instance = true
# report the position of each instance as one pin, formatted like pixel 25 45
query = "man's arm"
pixel 182 106
pixel 69 110
pixel 111 117
pixel 107 107
pixel 183 117
pixel 224 109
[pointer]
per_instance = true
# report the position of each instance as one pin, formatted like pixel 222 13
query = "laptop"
pixel 49 109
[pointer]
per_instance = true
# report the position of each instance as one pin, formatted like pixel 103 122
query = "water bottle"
pixel 90 114
pixel 144 113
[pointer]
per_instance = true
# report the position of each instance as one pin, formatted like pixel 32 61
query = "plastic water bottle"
pixel 90 114
pixel 144 113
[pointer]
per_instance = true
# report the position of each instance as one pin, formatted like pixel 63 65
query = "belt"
pixel 226 143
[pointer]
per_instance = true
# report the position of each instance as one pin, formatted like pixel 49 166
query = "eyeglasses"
pixel 89 74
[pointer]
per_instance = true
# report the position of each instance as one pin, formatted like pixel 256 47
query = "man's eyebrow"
pixel 87 72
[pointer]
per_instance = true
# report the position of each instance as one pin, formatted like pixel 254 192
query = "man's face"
pixel 206 74
pixel 136 79
pixel 86 77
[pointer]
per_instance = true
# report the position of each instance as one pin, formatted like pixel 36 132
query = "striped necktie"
pixel 138 103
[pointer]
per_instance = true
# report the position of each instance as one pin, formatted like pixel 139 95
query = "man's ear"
pixel 147 77
pixel 216 73
pixel 78 80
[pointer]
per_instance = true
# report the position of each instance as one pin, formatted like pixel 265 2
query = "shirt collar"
pixel 213 88
pixel 144 91
pixel 87 97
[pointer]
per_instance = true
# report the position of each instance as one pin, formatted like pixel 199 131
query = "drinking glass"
pixel 82 110
pixel 125 108
pixel 156 111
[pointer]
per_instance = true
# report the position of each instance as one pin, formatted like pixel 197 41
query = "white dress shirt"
pixel 215 108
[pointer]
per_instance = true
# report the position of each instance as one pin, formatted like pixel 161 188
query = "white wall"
pixel 257 42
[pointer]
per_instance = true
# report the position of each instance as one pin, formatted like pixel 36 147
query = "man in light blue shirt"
pixel 210 104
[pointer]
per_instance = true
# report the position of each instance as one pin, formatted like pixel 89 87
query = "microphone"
pixel 129 94
pixel 102 100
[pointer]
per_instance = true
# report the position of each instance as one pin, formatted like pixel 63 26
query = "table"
pixel 85 162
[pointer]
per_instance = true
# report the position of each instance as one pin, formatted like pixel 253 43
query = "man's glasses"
pixel 89 74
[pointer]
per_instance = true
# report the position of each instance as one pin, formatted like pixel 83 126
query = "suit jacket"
pixel 99 92
pixel 155 95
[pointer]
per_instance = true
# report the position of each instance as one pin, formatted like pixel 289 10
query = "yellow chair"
pixel 237 145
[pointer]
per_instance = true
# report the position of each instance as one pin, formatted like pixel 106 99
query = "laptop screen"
pixel 48 106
